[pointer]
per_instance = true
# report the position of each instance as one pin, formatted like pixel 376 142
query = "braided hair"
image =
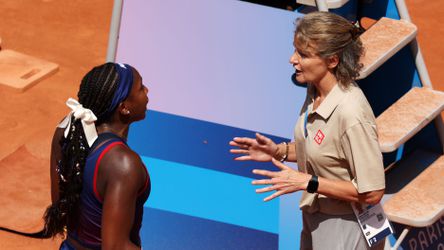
pixel 96 93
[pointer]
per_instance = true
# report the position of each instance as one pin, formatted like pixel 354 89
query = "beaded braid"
pixel 96 93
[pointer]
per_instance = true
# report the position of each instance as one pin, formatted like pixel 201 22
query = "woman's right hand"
pixel 259 149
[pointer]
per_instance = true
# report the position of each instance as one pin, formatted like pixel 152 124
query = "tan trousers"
pixel 334 232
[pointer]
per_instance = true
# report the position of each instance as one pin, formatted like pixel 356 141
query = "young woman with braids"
pixel 98 184
pixel 336 142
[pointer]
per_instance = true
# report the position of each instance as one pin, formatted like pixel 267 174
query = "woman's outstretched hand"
pixel 284 181
pixel 259 149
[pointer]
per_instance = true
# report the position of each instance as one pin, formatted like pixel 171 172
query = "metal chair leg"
pixel 401 238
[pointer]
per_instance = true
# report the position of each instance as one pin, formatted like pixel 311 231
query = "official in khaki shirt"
pixel 336 143
pixel 339 142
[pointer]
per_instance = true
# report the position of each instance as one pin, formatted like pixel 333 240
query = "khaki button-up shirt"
pixel 341 143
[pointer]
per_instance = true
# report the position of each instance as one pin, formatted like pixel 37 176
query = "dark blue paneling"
pixel 349 10
pixel 389 82
pixel 191 141
pixel 373 9
pixel 172 231
pixel 431 237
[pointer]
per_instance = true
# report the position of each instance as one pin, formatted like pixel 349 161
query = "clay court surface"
pixel 74 34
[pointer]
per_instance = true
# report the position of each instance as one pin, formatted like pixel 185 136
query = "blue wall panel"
pixel 167 230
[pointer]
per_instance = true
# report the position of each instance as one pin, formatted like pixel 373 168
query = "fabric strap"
pixel 125 78
pixel 85 115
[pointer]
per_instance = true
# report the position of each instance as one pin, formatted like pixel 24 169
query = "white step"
pixel 421 202
pixel 407 116
pixel 382 40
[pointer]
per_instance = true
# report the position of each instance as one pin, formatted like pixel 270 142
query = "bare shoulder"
pixel 120 162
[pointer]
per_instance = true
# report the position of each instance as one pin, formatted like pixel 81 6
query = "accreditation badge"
pixel 373 222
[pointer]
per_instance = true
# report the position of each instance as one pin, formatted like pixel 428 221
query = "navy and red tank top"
pixel 87 229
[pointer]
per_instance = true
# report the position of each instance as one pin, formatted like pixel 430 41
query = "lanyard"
pixel 305 120
pixel 305 123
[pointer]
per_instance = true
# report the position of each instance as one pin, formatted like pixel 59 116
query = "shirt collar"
pixel 331 101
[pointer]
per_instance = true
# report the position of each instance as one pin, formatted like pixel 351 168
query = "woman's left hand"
pixel 284 181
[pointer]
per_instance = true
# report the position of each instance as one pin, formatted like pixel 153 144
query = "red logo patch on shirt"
pixel 319 137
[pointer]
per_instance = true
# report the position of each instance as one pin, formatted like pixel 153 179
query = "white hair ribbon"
pixel 87 118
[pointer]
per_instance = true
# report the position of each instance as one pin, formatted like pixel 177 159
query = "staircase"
pixel 413 197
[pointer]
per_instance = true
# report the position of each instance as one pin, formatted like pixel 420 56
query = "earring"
pixel 127 112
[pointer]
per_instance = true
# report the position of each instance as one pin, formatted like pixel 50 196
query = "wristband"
pixel 286 151
pixel 285 155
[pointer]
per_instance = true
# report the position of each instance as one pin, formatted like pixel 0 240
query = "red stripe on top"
pixel 96 170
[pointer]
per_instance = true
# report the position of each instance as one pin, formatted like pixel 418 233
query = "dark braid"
pixel 97 90
pixel 96 93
